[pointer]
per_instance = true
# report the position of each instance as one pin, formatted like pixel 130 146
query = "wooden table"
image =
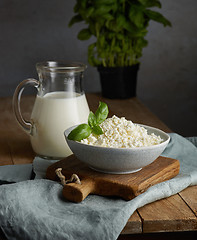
pixel 173 214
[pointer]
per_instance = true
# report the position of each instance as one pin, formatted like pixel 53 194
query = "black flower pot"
pixel 118 82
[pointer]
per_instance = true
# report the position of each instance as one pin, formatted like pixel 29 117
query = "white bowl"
pixel 118 160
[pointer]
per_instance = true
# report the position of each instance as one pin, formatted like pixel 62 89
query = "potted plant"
pixel 120 27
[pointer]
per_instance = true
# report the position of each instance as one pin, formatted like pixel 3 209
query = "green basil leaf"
pixel 97 130
pixel 158 17
pixel 91 119
pixel 101 112
pixel 125 21
pixel 89 11
pixel 150 3
pixel 103 2
pixel 84 34
pixel 77 18
pixel 80 132
pixel 102 9
pixel 136 15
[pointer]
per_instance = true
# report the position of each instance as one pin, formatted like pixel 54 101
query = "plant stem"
pixel 104 63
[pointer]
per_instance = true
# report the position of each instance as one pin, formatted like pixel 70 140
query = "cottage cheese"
pixel 121 133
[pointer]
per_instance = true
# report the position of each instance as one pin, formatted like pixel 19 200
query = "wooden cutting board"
pixel 126 186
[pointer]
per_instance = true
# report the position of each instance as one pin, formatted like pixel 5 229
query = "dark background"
pixel 33 31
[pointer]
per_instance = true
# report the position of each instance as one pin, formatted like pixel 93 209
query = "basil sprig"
pixel 84 130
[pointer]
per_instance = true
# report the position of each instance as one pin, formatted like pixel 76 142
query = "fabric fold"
pixel 36 209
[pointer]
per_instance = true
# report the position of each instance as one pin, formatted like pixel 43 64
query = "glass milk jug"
pixel 60 103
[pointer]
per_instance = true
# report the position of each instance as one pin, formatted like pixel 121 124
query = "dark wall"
pixel 33 31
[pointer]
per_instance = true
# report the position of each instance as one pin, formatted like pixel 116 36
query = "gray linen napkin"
pixel 15 173
pixel 40 166
pixel 35 209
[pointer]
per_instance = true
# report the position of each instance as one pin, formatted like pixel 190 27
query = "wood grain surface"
pixel 126 186
pixel 15 148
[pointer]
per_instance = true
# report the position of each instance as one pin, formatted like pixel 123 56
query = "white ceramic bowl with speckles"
pixel 118 160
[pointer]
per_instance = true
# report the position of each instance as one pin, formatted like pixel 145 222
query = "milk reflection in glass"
pixel 52 114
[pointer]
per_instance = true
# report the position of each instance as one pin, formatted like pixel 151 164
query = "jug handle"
pixel 27 126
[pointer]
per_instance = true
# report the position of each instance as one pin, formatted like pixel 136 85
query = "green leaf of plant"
pixel 150 3
pixel 83 3
pixel 84 34
pixel 77 7
pixel 120 36
pixel 113 19
pixel 117 49
pixel 136 15
pixel 92 119
pixel 102 2
pixel 107 17
pixel 102 112
pixel 75 19
pixel 120 21
pixel 102 9
pixel 89 11
pixel 80 132
pixel 158 17
pixel 97 130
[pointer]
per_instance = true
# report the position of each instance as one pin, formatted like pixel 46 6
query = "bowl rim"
pixel 122 149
